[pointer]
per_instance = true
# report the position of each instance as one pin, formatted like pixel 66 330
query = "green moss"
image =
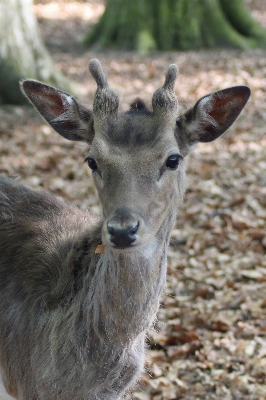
pixel 241 19
pixel 10 92
pixel 145 42
pixel 145 25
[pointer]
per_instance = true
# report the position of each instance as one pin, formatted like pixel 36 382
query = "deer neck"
pixel 127 287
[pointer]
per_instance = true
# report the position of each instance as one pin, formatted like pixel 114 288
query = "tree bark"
pixel 22 52
pixel 124 25
pixel 145 25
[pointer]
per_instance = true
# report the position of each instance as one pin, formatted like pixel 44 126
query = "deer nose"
pixel 122 236
pixel 122 227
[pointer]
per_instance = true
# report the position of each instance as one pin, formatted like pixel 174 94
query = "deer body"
pixel 72 321
pixel 68 307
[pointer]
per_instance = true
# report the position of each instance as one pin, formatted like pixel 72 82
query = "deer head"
pixel 137 157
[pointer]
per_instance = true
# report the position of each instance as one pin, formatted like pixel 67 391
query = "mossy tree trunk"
pixel 22 52
pixel 176 24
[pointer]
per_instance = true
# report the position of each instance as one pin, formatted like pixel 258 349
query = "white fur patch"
pixel 149 248
pixel 69 99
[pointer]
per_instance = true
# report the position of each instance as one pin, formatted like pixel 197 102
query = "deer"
pixel 79 292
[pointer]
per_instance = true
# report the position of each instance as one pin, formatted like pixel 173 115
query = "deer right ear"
pixel 66 116
pixel 212 115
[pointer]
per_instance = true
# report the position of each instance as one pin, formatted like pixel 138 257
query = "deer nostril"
pixel 122 236
pixel 111 229
pixel 134 228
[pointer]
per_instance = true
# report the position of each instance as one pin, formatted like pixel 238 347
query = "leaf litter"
pixel 209 339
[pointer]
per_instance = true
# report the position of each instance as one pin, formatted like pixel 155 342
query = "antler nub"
pixel 106 101
pixel 164 100
pixel 170 77
pixel 97 73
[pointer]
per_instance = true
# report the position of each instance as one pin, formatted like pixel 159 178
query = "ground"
pixel 210 338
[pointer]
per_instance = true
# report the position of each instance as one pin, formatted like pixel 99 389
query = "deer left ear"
pixel 66 116
pixel 212 115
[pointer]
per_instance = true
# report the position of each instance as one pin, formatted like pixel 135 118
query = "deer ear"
pixel 66 116
pixel 212 115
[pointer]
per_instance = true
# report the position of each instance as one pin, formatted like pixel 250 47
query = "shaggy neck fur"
pixel 121 301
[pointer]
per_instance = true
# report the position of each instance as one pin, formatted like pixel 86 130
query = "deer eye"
pixel 172 161
pixel 91 163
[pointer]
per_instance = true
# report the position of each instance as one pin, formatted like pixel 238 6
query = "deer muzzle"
pixel 122 228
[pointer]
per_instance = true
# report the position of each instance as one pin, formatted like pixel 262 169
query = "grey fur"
pixel 73 322
pixel 106 101
pixel 164 101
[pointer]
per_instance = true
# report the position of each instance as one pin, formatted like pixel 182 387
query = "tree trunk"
pixel 22 52
pixel 145 25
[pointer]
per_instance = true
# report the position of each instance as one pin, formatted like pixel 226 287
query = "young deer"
pixel 72 319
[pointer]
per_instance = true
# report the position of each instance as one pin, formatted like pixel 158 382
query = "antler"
pixel 106 101
pixel 164 99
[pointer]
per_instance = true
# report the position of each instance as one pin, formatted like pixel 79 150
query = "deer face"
pixel 138 157
pixel 138 171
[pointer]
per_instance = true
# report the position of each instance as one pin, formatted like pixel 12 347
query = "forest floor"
pixel 209 341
